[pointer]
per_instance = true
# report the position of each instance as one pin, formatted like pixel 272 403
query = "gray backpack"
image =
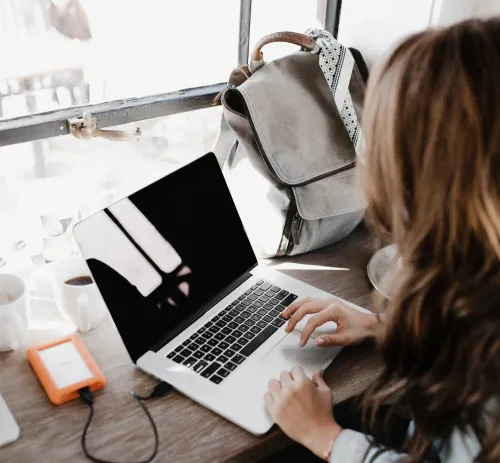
pixel 288 150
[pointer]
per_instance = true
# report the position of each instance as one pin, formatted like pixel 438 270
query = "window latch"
pixel 85 128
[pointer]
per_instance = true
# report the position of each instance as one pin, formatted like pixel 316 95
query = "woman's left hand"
pixel 303 410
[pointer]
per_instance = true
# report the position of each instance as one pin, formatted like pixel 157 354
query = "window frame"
pixel 51 124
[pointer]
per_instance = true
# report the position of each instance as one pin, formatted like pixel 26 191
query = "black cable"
pixel 88 399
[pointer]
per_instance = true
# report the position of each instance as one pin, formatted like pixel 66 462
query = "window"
pixel 125 62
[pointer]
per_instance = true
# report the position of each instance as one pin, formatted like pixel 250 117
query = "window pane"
pixel 46 184
pixel 61 53
pixel 284 15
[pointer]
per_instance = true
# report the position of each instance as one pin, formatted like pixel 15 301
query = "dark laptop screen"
pixel 160 254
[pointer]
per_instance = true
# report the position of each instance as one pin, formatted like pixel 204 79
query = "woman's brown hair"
pixel 432 183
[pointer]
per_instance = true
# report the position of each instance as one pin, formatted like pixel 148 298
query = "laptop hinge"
pixel 203 310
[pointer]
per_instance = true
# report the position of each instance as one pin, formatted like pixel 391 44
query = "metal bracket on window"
pixel 85 128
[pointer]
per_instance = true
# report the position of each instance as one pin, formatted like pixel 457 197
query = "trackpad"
pixel 287 354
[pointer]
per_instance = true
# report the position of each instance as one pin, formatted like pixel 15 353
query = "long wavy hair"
pixel 432 183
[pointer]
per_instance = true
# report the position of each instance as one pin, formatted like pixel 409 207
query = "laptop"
pixel 191 303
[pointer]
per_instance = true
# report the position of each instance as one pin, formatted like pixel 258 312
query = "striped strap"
pixel 337 64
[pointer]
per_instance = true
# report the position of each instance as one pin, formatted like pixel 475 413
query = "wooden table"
pixel 188 432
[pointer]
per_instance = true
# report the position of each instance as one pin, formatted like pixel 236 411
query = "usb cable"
pixel 88 399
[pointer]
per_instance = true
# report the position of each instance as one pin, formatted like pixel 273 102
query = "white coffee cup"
pixel 81 304
pixel 13 312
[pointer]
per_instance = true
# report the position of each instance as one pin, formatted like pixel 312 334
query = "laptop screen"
pixel 162 253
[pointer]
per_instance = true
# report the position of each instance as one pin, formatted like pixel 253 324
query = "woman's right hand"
pixel 353 326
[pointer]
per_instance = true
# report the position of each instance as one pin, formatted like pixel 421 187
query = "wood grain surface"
pixel 188 432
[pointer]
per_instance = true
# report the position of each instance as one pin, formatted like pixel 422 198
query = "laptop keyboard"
pixel 228 339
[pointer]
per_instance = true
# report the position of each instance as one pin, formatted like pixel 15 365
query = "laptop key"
pixel 244 328
pixel 248 292
pixel 237 347
pixel 237 333
pixel 178 349
pixel 198 354
pixel 254 287
pixel 209 324
pixel 262 312
pixel 268 319
pixel 209 357
pixel 186 342
pixel 246 302
pixel 230 353
pixel 282 294
pixel 200 365
pixel 220 324
pixel 275 289
pixel 223 372
pixel 216 319
pixel 226 330
pixel 260 282
pixel 227 319
pixel 258 292
pixel 255 329
pixel 231 366
pixel 190 362
pixel 269 294
pixel 198 343
pixel 258 341
pixel 178 359
pixel 201 330
pixel 265 286
pixel 252 297
pixel 239 320
pixel 245 314
pixel 219 337
pixel 207 335
pixel 278 322
pixel 241 297
pixel 262 324
pixel 274 301
pixel 250 322
pixel 252 309
pixel 223 359
pixel 275 313
pixel 171 355
pixel 207 372
pixel 216 379
pixel 230 339
pixel 288 300
pixel 243 341
pixel 206 348
pixel 258 303
pixel 232 325
pixel 255 317
pixel 214 329
pixel 238 359
pixel 234 312
pixel 249 335
pixel 186 353
pixel 223 345
pixel 212 342
pixel 264 298
pixel 216 351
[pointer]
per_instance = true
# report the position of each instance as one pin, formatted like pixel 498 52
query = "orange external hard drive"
pixel 63 367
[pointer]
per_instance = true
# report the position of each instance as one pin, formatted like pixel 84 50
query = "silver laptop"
pixel 188 297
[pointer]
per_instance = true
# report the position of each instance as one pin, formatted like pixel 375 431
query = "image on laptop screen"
pixel 160 254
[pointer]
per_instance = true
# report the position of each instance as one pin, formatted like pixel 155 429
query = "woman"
pixel 432 185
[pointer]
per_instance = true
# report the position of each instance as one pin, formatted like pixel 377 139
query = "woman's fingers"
pixel 298 373
pixel 291 309
pixel 319 380
pixel 305 309
pixel 334 339
pixel 274 385
pixel 286 379
pixel 332 313
pixel 270 400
